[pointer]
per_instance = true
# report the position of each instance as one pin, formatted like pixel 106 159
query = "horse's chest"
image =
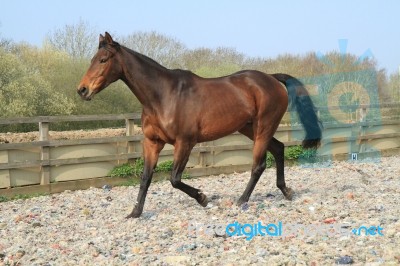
pixel 155 129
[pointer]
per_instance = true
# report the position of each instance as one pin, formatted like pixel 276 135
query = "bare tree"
pixel 6 44
pixel 78 40
pixel 165 50
pixel 202 56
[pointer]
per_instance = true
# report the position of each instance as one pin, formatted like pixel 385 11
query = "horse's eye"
pixel 103 60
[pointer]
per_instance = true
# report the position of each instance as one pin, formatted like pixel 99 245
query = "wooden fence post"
pixel 202 156
pixel 363 119
pixel 130 131
pixel 6 180
pixel 354 138
pixel 357 131
pixel 44 154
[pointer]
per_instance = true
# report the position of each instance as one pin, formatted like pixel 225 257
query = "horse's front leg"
pixel 151 151
pixel 181 157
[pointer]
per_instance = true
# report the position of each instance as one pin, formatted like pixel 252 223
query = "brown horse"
pixel 182 109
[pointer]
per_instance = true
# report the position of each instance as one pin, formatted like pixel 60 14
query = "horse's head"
pixel 103 70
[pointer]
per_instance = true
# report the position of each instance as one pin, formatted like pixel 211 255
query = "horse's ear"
pixel 108 38
pixel 101 38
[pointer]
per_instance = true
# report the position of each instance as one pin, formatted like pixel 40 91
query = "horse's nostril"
pixel 83 91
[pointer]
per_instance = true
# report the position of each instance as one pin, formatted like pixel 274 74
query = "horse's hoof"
pixel 288 193
pixel 134 214
pixel 203 201
pixel 240 202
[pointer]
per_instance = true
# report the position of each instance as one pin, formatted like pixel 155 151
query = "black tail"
pixel 299 97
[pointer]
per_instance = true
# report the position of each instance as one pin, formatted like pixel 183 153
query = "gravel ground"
pixel 88 227
pixel 11 137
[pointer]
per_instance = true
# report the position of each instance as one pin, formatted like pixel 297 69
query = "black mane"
pixel 144 58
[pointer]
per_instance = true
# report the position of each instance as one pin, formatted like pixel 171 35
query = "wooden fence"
pixel 48 163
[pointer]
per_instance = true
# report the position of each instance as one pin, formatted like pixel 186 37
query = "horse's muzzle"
pixel 84 93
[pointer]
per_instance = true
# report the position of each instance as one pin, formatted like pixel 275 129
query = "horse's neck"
pixel 146 79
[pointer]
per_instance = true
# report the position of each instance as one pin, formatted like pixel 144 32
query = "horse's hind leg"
pixel 181 157
pixel 277 149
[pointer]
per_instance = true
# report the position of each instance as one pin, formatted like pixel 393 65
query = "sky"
pixel 255 28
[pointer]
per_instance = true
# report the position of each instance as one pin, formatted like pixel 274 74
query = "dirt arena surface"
pixel 342 213
pixel 59 135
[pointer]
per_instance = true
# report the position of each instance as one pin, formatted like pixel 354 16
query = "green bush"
pixel 164 167
pixel 128 170
pixel 270 160
pixel 167 166
pixel 308 156
pixel 295 153
pixel 3 199
pixel 124 170
pixel 136 169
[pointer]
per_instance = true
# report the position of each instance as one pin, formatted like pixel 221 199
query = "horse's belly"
pixel 220 128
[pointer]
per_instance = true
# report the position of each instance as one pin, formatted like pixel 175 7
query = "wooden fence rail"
pixel 45 162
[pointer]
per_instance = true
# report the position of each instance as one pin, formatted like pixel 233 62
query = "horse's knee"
pixel 277 149
pixel 145 182
pixel 260 168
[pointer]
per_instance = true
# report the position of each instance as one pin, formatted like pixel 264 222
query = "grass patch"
pixel 130 182
pixel 135 170
pixel 295 154
pixel 22 196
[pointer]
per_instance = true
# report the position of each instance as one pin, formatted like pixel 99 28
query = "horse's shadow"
pixel 216 199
